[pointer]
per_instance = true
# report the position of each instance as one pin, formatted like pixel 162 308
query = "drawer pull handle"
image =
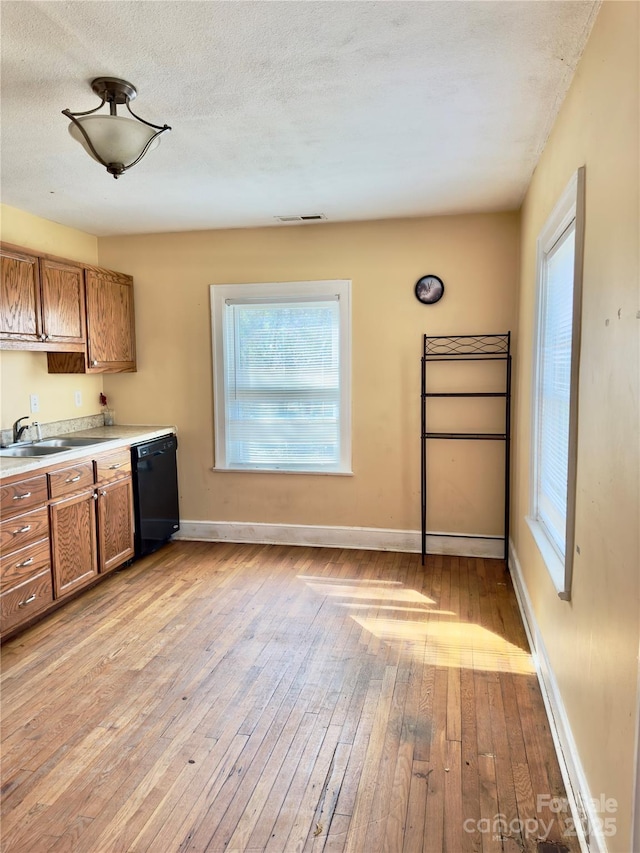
pixel 117 465
pixel 22 497
pixel 24 563
pixel 24 529
pixel 73 479
pixel 31 598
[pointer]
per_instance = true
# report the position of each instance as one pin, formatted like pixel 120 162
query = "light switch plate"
pixel 34 403
pixel 78 398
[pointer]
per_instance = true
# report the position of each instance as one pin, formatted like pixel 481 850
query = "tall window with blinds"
pixel 555 385
pixel 282 376
pixel 554 389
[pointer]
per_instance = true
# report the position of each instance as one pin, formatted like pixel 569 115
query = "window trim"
pixel 569 208
pixel 219 293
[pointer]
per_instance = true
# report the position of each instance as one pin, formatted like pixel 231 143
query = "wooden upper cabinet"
pixel 110 329
pixel 62 289
pixel 81 316
pixel 20 317
pixel 110 320
pixel 41 304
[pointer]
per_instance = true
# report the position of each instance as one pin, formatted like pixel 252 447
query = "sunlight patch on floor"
pixel 358 581
pixel 441 642
pixel 455 644
pixel 398 608
pixel 378 592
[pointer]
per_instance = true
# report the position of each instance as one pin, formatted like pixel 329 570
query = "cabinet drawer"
pixel 23 494
pixel 113 467
pixel 22 565
pixel 71 479
pixel 24 529
pixel 20 603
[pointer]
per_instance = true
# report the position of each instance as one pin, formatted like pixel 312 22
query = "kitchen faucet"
pixel 18 430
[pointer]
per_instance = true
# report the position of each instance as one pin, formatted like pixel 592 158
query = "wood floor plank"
pixel 369 777
pixel 223 698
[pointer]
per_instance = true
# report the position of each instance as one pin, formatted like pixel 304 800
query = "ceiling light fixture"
pixel 117 142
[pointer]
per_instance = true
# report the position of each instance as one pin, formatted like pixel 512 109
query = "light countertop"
pixel 120 435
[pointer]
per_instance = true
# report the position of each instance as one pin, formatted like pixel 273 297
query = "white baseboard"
pixel 366 538
pixel 580 798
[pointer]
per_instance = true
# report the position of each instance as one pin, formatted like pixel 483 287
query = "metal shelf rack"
pixel 453 348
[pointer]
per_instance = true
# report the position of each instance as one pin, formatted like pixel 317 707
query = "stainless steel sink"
pixel 48 446
pixel 70 442
pixel 31 450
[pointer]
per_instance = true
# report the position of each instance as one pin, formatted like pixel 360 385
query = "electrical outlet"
pixel 78 398
pixel 34 403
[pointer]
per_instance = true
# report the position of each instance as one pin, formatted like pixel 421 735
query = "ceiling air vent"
pixel 305 217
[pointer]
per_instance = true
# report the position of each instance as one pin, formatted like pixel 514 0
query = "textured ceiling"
pixel 357 110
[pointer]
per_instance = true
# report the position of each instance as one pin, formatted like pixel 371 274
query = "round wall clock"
pixel 429 289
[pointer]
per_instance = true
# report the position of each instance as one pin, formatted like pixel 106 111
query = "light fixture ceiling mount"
pixel 117 142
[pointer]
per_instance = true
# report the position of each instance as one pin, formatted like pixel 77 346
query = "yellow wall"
pixel 477 256
pixel 593 641
pixel 25 373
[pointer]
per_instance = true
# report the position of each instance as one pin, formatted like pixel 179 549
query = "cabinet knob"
pixel 94 363
pixel 95 496
pixel 103 494
pixel 43 337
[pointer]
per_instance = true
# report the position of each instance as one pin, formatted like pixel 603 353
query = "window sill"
pixel 306 472
pixel 555 565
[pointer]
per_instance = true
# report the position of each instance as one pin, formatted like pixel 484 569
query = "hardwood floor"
pixel 218 697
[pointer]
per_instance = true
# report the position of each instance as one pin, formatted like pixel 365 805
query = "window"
pixel 555 385
pixel 282 371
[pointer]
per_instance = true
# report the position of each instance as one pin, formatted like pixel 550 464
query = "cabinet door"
pixel 110 321
pixel 73 542
pixel 62 292
pixel 19 299
pixel 115 524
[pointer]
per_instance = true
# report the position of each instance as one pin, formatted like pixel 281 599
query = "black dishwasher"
pixel 155 493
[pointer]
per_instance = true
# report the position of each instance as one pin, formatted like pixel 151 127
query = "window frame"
pixel 569 209
pixel 279 292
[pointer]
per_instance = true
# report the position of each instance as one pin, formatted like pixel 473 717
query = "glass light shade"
pixel 117 139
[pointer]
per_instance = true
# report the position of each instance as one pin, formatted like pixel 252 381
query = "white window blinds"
pixel 282 383
pixel 554 388
pixel 554 445
pixel 282 370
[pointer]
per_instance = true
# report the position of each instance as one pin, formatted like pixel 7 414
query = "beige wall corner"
pixel 476 255
pixel 25 373
pixel 42 235
pixel 592 642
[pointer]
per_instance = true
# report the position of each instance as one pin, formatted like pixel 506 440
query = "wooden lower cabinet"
pixel 21 603
pixel 60 531
pixel 91 533
pixel 25 579
pixel 74 558
pixel 115 524
pixel 25 561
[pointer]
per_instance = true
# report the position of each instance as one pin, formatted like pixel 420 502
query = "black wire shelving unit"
pixel 453 348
